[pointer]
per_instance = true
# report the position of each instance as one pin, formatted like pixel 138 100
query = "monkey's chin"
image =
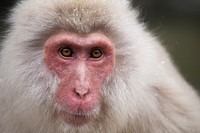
pixel 78 119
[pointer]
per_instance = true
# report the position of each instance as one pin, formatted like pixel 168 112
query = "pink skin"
pixel 79 93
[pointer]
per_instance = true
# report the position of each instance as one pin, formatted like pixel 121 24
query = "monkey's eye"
pixel 66 52
pixel 96 53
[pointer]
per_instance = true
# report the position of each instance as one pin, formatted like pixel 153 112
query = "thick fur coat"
pixel 144 94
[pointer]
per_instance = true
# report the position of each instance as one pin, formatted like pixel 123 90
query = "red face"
pixel 82 63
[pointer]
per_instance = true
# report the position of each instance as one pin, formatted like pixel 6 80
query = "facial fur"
pixel 143 91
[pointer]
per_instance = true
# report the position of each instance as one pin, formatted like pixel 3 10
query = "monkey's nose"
pixel 81 93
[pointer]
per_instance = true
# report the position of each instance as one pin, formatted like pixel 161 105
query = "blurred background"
pixel 175 22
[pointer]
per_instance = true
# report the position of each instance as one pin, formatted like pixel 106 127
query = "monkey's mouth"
pixel 78 118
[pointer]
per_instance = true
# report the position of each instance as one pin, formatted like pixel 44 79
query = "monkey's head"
pixel 68 62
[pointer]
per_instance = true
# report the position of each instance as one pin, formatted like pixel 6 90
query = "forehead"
pixel 40 19
pixel 82 16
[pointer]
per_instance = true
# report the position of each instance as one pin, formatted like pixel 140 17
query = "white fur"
pixel 144 94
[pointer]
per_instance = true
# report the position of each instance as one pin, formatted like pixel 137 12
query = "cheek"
pixel 56 65
pixel 104 69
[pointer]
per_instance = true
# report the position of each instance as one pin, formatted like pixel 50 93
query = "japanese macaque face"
pixel 82 63
pixel 73 66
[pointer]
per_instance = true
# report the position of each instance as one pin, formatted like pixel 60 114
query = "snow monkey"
pixel 89 66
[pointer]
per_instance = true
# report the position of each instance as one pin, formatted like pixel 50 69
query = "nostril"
pixel 81 92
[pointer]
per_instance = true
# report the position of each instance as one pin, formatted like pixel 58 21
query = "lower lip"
pixel 76 120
